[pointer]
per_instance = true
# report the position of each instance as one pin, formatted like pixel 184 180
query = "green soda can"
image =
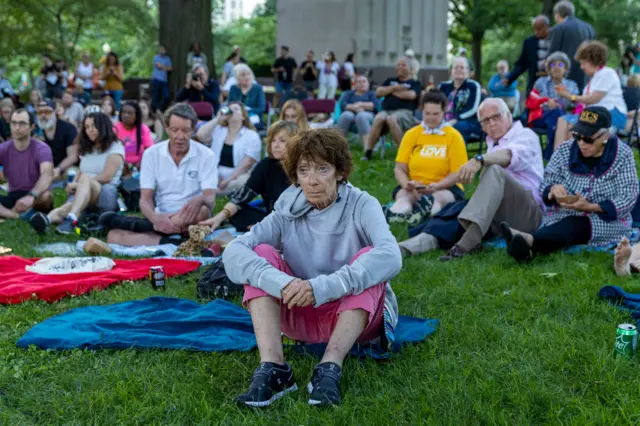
pixel 626 341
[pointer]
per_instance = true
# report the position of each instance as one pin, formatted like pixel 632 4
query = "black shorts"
pixel 9 201
pixel 458 193
pixel 144 225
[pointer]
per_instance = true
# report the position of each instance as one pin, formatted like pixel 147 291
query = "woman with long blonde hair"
pixel 293 112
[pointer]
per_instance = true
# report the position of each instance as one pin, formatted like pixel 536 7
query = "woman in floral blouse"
pixel 590 187
pixel 463 99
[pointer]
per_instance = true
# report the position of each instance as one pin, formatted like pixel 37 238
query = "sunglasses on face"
pixel 588 139
pixel 557 64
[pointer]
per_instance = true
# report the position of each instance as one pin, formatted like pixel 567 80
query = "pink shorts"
pixel 315 325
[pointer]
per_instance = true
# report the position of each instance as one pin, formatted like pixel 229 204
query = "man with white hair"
pixel 568 35
pixel 413 63
pixel 509 186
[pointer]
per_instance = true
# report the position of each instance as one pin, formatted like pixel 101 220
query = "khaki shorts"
pixel 404 117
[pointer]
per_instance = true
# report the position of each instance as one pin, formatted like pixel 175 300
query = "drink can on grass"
pixel 71 175
pixel 626 341
pixel 157 277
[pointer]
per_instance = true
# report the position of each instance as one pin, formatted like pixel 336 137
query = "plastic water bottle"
pixel 135 173
pixel 122 206
pixel 71 175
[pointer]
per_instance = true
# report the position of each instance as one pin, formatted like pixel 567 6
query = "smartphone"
pixel 421 187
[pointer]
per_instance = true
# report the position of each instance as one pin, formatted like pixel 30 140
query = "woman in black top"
pixel 267 180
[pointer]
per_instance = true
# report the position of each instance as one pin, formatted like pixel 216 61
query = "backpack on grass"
pixel 215 284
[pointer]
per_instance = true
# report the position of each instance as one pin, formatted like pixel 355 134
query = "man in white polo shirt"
pixel 178 182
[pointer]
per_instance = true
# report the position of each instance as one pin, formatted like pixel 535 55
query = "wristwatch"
pixel 479 158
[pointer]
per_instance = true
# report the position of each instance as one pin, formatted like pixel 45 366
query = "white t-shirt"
pixel 606 80
pixel 93 164
pixel 85 72
pixel 246 144
pixel 175 185
pixel 349 69
pixel 328 77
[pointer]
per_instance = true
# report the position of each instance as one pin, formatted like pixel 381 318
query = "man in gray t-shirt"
pixel 73 110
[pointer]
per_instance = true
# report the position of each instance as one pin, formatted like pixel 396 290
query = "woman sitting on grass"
pixel 427 165
pixel 134 134
pixel 590 187
pixel 333 286
pixel 293 112
pixel 96 186
pixel 268 180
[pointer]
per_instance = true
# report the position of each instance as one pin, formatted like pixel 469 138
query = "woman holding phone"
pixel 427 165
pixel 590 187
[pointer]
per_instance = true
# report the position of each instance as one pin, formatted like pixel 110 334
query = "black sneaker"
pixel 324 386
pixel 67 227
pixel 106 219
pixel 269 383
pixel 39 222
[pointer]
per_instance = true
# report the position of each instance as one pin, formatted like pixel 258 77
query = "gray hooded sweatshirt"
pixel 318 246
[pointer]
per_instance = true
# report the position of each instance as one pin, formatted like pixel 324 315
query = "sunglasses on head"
pixel 588 139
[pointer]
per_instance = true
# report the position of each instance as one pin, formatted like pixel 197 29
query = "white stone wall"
pixel 378 31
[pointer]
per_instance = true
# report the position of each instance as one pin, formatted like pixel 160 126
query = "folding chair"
pixel 319 106
pixel 632 100
pixel 204 110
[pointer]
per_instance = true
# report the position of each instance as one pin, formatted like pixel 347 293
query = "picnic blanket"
pixel 628 302
pixel 173 323
pixel 160 251
pixel 18 285
pixel 500 243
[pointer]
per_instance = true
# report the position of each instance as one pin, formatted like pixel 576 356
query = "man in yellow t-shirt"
pixel 427 165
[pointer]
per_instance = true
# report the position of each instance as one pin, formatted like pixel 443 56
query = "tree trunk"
pixel 181 23
pixel 476 54
pixel 547 8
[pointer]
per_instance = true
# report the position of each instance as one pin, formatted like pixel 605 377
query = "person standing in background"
pixel 195 57
pixel 113 76
pixel 309 73
pixel 535 50
pixel 568 35
pixel 328 69
pixel 285 69
pixel 347 73
pixel 84 71
pixel 413 63
pixel 162 65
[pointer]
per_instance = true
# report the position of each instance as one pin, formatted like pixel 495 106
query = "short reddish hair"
pixel 320 145
pixel 594 52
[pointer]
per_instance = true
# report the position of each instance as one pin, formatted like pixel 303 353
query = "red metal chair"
pixel 319 106
pixel 204 110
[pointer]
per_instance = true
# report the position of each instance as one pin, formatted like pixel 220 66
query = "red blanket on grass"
pixel 18 285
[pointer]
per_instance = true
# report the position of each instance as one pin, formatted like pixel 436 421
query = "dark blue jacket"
pixel 567 37
pixel 210 93
pixel 528 61
pixel 467 100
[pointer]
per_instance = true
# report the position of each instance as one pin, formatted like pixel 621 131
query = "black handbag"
pixel 214 284
pixel 130 191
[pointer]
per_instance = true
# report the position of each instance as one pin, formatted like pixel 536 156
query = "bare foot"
pixel 621 258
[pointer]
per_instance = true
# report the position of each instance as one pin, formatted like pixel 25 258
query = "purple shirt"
pixel 526 157
pixel 22 168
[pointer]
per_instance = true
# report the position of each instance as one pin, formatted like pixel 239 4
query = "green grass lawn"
pixel 513 347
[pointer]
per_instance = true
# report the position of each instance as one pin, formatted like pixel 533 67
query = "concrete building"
pixel 377 31
pixel 232 10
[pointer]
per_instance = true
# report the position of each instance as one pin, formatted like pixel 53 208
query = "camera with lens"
pixel 195 76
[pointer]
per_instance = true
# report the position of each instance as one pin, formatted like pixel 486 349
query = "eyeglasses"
pixel 45 112
pixel 557 64
pixel 495 117
pixel 185 131
pixel 19 123
pixel 588 139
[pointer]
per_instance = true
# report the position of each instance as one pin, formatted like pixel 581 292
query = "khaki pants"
pixel 500 198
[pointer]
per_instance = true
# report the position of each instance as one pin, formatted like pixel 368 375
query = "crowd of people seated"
pixel 317 253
